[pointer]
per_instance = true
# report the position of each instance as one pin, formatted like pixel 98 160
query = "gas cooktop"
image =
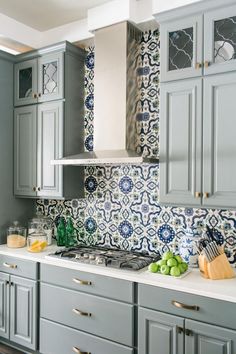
pixel 108 257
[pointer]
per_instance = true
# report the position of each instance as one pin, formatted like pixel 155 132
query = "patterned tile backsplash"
pixel 120 208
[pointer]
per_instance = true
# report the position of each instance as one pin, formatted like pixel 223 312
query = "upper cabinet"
pixel 220 40
pixel 39 79
pixel 49 121
pixel 181 48
pixel 201 44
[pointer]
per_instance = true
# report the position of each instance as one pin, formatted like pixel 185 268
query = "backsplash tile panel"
pixel 121 205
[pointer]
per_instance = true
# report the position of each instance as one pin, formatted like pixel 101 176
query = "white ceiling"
pixel 43 15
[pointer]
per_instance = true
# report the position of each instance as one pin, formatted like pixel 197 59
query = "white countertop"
pixel 193 283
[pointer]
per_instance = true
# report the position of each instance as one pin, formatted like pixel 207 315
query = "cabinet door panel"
pixel 219 126
pixel 25 151
pixel 207 339
pixel 23 312
pixel 50 147
pixel 180 142
pixel 220 40
pixel 4 305
pixel 181 48
pixel 159 333
pixel 50 77
pixel 26 82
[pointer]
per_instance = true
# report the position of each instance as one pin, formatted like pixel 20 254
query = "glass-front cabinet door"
pixel 220 40
pixel 26 82
pixel 181 49
pixel 50 77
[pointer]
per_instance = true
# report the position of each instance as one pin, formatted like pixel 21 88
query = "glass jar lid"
pixel 16 228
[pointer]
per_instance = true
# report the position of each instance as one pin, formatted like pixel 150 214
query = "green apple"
pixel 172 262
pixel 185 265
pixel 165 269
pixel 179 259
pixel 153 267
pixel 161 262
pixel 175 271
pixel 167 255
pixel 182 268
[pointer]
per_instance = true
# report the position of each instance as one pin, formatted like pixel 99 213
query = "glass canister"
pixel 37 241
pixel 16 235
pixel 41 222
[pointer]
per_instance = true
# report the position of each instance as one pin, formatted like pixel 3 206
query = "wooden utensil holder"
pixel 219 268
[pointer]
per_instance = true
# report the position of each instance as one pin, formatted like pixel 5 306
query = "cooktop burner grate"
pixel 108 257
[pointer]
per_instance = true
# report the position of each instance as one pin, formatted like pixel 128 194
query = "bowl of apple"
pixel 170 264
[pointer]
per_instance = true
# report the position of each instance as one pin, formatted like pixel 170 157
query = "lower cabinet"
pixel 189 333
pixel 77 315
pixel 161 333
pixel 59 339
pixel 18 310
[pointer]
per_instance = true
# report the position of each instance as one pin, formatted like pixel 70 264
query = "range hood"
pixel 115 98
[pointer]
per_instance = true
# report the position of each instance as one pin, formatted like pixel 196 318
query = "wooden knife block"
pixel 217 269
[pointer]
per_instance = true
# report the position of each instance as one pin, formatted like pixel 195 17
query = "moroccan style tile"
pixel 121 206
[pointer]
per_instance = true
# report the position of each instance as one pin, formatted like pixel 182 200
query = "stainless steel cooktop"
pixel 108 257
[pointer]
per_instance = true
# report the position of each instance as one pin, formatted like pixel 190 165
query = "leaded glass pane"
pixel 25 83
pixel 225 39
pixel 50 77
pixel 181 49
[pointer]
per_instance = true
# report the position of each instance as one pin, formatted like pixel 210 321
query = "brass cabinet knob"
pixel 34 189
pixel 38 189
pixel 206 195
pixel 207 63
pixel 39 95
pixel 35 95
pixel 198 194
pixel 198 65
pixel 78 351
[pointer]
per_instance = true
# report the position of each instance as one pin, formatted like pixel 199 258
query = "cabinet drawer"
pixel 210 310
pixel 118 289
pixel 103 317
pixel 19 267
pixel 59 339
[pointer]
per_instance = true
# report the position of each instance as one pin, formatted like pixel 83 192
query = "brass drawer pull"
pixel 81 282
pixel 206 195
pixel 184 306
pixel 198 194
pixel 78 351
pixel 12 266
pixel 81 313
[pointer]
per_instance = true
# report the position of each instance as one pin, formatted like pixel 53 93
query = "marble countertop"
pixel 192 283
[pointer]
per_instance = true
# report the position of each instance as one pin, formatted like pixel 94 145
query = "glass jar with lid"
pixel 16 235
pixel 37 241
pixel 43 222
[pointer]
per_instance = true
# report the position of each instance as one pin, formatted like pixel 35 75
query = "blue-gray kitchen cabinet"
pixel 180 142
pixel 174 322
pixel 198 39
pixel 219 143
pixel 38 140
pixel 220 40
pixel 19 302
pixel 181 48
pixel 52 127
pixel 4 305
pixel 39 79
